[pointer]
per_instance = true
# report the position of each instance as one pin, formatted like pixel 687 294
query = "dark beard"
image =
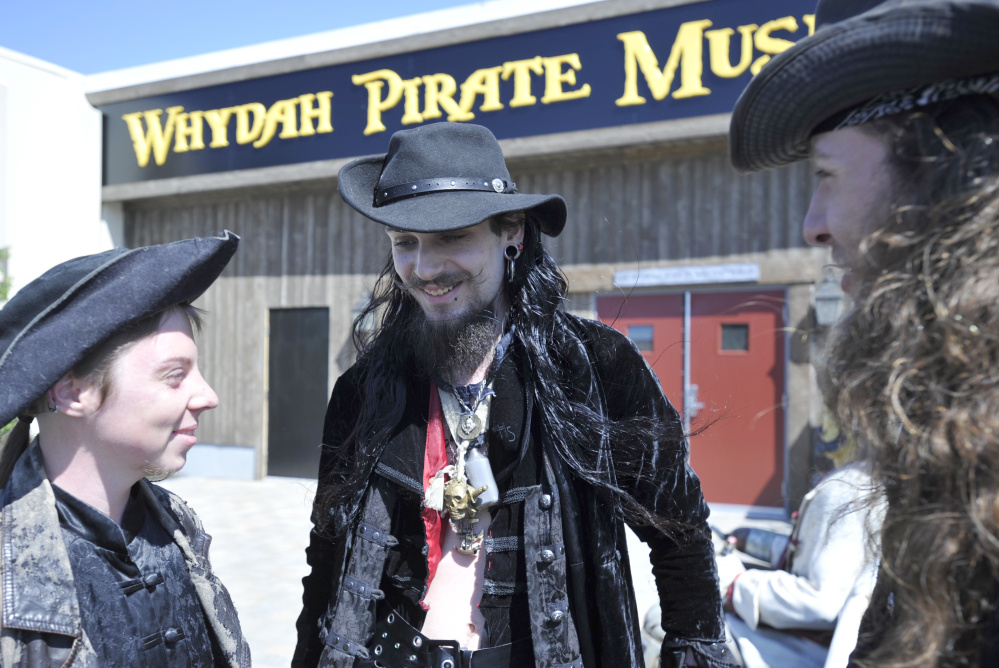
pixel 450 349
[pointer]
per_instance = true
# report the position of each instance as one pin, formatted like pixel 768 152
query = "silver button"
pixel 547 556
pixel 556 616
pixel 171 635
pixel 417 641
pixel 545 501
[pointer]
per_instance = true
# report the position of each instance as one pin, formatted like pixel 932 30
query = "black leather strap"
pixel 387 194
pixel 396 644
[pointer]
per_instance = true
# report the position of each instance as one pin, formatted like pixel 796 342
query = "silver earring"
pixel 511 253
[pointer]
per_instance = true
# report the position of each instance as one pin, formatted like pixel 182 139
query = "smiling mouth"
pixel 439 291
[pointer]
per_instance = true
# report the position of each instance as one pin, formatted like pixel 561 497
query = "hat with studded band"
pixel 441 177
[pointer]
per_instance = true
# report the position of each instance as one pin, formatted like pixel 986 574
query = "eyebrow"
pixel 180 359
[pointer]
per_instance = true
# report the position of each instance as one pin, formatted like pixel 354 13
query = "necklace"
pixel 469 426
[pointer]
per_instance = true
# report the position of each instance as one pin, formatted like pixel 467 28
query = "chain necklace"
pixel 470 426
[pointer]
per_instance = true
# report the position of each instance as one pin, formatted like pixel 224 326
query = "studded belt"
pixel 396 644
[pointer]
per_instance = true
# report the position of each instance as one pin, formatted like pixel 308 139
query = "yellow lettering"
pixel 218 121
pixel 688 49
pixel 772 45
pixel 245 132
pixel 283 112
pixel 411 105
pixel 484 82
pixel 155 138
pixel 521 71
pixel 555 77
pixel 322 114
pixel 439 90
pixel 809 20
pixel 374 82
pixel 189 125
pixel 719 43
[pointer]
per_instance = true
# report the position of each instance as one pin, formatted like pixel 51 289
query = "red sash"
pixel 434 459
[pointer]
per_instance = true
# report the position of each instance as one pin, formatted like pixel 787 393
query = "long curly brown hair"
pixel 913 372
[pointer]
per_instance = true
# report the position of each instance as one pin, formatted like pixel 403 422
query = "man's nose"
pixel 815 227
pixel 204 397
pixel 428 263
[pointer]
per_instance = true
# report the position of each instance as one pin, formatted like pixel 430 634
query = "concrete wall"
pixel 50 169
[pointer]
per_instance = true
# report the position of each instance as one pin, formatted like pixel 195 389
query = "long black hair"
pixel 547 335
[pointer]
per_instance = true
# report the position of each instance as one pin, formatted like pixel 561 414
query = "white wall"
pixel 50 168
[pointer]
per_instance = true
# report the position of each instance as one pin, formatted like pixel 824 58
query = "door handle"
pixel 690 403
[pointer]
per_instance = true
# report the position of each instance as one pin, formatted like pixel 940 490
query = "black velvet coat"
pixel 610 373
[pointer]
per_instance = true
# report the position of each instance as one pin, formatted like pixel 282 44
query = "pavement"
pixel 260 529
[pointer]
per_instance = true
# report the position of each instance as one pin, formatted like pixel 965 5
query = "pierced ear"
pixel 515 235
pixel 74 396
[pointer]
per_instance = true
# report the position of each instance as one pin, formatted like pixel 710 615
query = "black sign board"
pixel 679 62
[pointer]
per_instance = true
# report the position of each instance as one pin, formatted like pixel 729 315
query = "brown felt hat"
pixel 440 177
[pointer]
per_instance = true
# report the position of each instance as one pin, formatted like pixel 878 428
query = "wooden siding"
pixel 302 246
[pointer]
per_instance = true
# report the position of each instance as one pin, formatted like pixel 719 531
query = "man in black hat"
pixel 896 103
pixel 480 457
pixel 101 567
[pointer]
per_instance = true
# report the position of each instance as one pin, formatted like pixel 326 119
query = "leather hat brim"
pixel 441 211
pixel 889 48
pixel 54 322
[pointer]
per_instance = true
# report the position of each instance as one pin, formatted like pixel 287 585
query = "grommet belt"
pixel 396 644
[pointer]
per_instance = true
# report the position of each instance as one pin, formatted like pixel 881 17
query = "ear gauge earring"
pixel 53 406
pixel 511 253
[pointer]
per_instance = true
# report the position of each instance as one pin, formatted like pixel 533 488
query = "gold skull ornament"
pixel 459 499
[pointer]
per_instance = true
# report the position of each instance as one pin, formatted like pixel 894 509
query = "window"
pixel 735 337
pixel 641 335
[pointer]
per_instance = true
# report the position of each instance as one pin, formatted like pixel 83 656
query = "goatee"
pixel 451 349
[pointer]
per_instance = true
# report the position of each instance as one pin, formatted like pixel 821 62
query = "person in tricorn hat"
pixel 481 456
pixel 896 103
pixel 101 567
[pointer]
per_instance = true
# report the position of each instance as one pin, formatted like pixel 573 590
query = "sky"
pixel 89 36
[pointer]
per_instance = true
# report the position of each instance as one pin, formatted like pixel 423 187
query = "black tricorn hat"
pixel 861 49
pixel 55 321
pixel 440 177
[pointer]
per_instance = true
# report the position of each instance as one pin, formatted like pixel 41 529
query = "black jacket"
pixel 41 625
pixel 603 627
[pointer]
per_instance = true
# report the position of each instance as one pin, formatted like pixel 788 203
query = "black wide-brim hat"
pixel 441 177
pixel 861 49
pixel 55 321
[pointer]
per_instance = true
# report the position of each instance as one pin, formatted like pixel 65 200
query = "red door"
pixel 662 317
pixel 737 364
pixel 736 387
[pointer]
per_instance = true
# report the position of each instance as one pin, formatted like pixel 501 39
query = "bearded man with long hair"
pixel 482 456
pixel 897 106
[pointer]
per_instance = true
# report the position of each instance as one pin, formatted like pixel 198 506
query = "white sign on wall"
pixel 715 273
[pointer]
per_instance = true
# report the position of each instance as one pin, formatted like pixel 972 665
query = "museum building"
pixel 620 106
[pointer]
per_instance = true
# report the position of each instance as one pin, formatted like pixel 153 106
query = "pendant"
pixel 470 541
pixel 469 427
pixel 459 499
